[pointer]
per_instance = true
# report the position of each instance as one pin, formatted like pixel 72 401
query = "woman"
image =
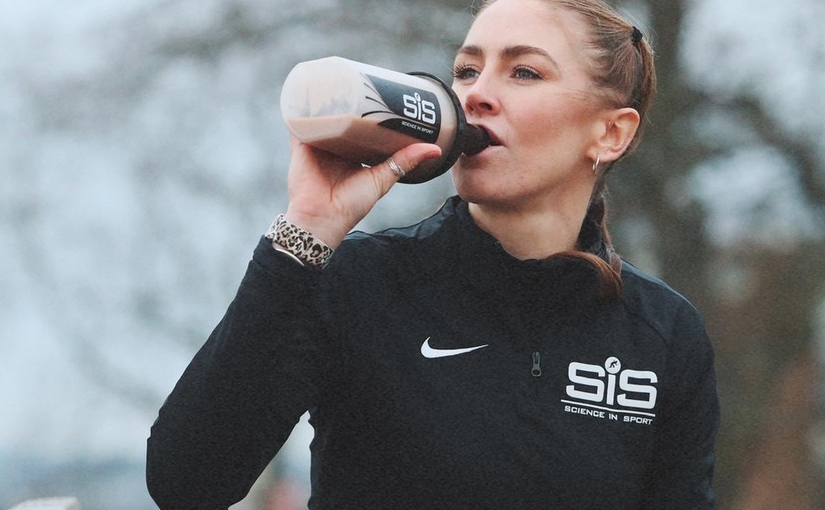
pixel 498 354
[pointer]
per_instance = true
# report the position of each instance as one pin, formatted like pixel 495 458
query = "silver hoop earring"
pixel 596 164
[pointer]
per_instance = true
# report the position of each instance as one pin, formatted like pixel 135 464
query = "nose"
pixel 479 97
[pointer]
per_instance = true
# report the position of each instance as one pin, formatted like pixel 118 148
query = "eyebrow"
pixel 511 52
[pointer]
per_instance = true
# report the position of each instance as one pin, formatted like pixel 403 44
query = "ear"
pixel 615 131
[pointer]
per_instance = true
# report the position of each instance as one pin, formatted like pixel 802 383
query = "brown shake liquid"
pixel 351 138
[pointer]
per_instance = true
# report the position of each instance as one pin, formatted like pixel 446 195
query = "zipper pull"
pixel 536 370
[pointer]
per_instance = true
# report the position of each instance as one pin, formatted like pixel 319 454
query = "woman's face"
pixel 521 74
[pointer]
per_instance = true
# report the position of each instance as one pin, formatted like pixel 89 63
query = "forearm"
pixel 242 393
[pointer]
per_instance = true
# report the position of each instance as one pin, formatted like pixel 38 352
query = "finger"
pixel 404 161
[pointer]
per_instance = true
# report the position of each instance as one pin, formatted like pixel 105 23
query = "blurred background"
pixel 142 154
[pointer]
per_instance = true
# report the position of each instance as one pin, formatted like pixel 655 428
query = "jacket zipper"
pixel 536 370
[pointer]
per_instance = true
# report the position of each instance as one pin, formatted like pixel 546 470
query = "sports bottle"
pixel 364 114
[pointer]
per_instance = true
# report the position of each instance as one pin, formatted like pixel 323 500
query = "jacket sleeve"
pixel 241 395
pixel 683 457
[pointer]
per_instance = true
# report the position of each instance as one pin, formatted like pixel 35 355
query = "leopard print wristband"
pixel 298 243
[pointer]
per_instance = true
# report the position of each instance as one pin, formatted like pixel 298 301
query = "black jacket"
pixel 440 372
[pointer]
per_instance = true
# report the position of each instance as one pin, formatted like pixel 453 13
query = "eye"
pixel 464 72
pixel 525 73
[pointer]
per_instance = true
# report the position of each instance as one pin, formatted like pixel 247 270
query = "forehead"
pixel 539 23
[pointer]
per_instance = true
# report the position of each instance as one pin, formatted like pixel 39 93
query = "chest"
pixel 498 398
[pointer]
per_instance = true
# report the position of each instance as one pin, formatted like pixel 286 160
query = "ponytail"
pixel 594 248
pixel 609 264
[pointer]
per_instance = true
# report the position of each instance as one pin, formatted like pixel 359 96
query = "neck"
pixel 532 233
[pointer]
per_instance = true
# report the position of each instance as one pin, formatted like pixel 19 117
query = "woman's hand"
pixel 329 196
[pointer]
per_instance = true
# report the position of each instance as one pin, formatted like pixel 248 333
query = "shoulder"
pixel 688 385
pixel 394 243
pixel 662 308
pixel 377 266
pixel 678 327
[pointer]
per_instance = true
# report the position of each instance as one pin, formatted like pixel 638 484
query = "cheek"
pixel 538 118
pixel 553 125
pixel 541 131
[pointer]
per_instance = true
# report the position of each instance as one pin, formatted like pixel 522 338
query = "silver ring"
pixel 397 170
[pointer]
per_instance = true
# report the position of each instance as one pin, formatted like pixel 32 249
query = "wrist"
pixel 325 229
pixel 299 244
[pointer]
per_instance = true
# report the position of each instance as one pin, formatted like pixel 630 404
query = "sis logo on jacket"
pixel 609 392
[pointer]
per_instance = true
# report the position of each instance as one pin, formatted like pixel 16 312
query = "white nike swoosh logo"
pixel 429 352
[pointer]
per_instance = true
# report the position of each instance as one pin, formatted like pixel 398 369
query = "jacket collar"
pixel 555 283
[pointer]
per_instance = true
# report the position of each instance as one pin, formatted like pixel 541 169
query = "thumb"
pixel 405 160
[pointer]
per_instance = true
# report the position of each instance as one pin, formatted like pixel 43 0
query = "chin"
pixel 477 173
pixel 472 188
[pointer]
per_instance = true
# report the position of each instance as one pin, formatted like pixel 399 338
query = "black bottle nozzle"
pixel 475 139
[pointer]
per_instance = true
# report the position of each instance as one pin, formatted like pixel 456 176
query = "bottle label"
pixel 406 110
